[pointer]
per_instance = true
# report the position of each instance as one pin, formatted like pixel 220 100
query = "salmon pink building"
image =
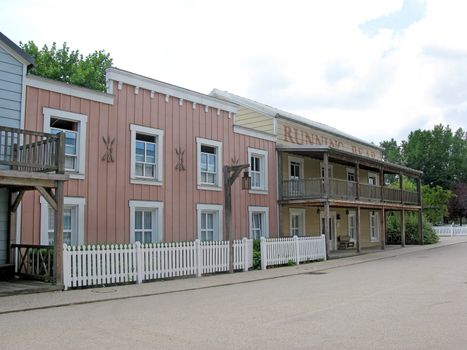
pixel 145 164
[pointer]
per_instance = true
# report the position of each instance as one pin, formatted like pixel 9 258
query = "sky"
pixel 376 69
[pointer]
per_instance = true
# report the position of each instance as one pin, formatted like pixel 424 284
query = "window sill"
pixel 258 191
pixel 146 182
pixel 209 188
pixel 76 176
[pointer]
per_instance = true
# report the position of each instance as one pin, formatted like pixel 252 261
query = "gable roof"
pixel 27 60
pixel 276 112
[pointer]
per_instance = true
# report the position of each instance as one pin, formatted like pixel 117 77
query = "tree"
pixel 69 66
pixel 435 202
pixel 391 151
pixel 458 203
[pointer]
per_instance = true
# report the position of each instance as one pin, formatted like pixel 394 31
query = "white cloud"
pixel 310 58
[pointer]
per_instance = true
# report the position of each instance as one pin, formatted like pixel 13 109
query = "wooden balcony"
pixel 315 188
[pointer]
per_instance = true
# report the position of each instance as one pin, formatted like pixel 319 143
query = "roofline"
pixel 137 80
pixel 68 89
pixel 320 148
pixel 27 59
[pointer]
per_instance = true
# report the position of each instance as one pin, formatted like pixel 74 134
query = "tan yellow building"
pixel 350 202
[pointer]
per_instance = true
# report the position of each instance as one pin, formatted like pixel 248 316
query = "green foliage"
pixel 69 66
pixel 257 254
pixel 435 203
pixel 391 151
pixel 291 262
pixel 411 230
pixel 458 202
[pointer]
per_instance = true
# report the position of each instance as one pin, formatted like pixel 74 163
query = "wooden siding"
pixel 250 119
pixel 11 85
pixel 107 186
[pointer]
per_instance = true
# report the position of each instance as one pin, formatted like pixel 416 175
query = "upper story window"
pixel 73 125
pixel 372 179
pixel 351 174
pixel 146 155
pixel 209 164
pixel 258 169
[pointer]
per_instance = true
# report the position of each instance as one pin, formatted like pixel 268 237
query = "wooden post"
pixel 326 174
pixel 402 228
pixel 58 235
pixel 14 201
pixel 358 222
pixel 381 183
pixel 383 229
pixel 357 179
pixel 326 228
pixel 420 212
pixel 401 186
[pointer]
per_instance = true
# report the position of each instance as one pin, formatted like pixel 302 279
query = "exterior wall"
pixel 250 119
pixel 11 87
pixel 3 225
pixel 106 186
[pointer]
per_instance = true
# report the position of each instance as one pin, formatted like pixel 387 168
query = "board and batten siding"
pixel 11 88
pixel 250 119
pixel 107 188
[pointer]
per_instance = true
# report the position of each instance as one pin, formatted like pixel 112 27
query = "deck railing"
pixel 30 151
pixel 33 261
pixel 314 188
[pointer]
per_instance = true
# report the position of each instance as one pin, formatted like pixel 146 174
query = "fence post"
pixel 66 268
pixel 323 246
pixel 198 258
pixel 263 253
pixel 297 250
pixel 139 263
pixel 452 229
pixel 245 253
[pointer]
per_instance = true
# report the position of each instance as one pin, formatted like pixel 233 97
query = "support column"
pixel 58 235
pixel 357 238
pixel 357 179
pixel 383 229
pixel 420 212
pixel 14 200
pixel 326 174
pixel 402 227
pixel 326 228
pixel 401 187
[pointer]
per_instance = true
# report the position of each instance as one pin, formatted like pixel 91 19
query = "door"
pixel 332 240
pixel 295 176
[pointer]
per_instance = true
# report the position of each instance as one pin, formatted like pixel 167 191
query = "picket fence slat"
pixel 280 251
pixel 117 263
pixel 450 230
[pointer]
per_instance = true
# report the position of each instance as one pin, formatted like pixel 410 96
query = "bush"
pixel 411 230
pixel 257 254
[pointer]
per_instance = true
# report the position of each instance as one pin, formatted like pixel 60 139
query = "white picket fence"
pixel 450 230
pixel 279 251
pixel 123 263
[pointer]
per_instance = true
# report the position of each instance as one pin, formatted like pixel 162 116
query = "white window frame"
pixel 159 135
pixel 263 156
pixel 78 202
pixel 265 219
pixel 376 228
pixel 218 145
pixel 211 208
pixel 297 211
pixel 158 218
pixel 301 161
pixel 353 214
pixel 371 175
pixel 82 121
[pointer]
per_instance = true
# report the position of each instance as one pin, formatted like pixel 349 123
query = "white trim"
pixel 168 89
pixel 158 215
pixel 217 208
pixel 332 235
pixel 13 53
pixel 375 175
pixel 297 211
pixel 263 210
pixel 263 155
pixel 23 98
pixel 274 125
pixel 297 160
pixel 68 89
pixel 352 213
pixel 376 215
pixel 79 202
pixel 159 134
pixel 82 120
pixel 218 145
pixel 254 133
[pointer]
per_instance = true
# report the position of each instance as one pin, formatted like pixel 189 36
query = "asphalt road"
pixel 415 301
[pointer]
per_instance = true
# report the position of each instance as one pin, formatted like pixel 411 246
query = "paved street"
pixel 413 301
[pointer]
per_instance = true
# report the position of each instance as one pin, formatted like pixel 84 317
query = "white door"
pixel 332 241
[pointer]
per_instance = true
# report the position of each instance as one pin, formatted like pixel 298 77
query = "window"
pixel 259 222
pixel 374 227
pixel 258 169
pixel 146 221
pixel 330 170
pixel 351 174
pixel 372 179
pixel 209 222
pixel 74 127
pixel 146 155
pixel 297 222
pixel 73 221
pixel 352 225
pixel 209 164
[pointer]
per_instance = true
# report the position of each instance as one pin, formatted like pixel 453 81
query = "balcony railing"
pixel 30 151
pixel 314 188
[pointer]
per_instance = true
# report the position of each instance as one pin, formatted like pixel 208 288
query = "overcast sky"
pixel 375 69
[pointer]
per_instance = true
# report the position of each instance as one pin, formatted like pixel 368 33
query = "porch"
pixel 31 161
